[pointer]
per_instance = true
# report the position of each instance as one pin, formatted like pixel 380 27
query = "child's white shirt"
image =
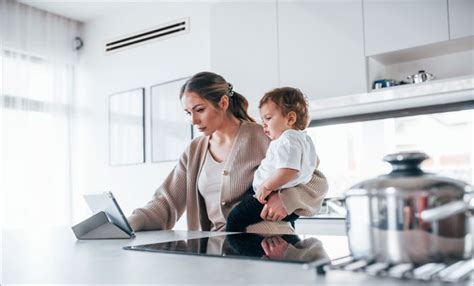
pixel 293 150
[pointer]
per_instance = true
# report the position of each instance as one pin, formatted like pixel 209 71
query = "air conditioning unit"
pixel 175 28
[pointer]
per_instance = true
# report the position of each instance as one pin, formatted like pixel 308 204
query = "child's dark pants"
pixel 247 212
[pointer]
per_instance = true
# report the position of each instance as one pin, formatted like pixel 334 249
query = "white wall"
pixel 99 75
pixel 244 52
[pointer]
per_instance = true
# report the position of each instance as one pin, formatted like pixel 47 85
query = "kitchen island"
pixel 54 256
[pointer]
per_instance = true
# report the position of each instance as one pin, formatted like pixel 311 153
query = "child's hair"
pixel 289 99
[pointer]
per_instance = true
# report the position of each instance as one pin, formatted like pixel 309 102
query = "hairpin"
pixel 230 90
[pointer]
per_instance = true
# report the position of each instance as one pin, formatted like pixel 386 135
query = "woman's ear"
pixel 292 117
pixel 224 102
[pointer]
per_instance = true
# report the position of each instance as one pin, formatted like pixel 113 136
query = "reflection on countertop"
pixel 282 248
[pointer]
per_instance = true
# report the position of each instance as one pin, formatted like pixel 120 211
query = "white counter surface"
pixel 54 256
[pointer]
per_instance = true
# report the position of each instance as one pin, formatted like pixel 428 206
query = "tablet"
pixel 108 204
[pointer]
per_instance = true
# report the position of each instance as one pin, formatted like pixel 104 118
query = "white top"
pixel 293 150
pixel 209 185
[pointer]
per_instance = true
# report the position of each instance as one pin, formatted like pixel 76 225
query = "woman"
pixel 216 169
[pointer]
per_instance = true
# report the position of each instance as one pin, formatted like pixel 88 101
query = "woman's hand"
pixel 273 210
pixel 274 247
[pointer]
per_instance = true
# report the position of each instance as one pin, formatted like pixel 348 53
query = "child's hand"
pixel 262 193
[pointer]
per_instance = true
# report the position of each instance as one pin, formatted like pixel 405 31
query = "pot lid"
pixel 408 179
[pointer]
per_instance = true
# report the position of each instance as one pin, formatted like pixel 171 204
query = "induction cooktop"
pixel 278 248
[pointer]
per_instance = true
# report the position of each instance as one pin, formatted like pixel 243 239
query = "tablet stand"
pixel 98 226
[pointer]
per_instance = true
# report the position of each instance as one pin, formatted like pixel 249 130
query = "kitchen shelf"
pixel 445 60
pixel 428 97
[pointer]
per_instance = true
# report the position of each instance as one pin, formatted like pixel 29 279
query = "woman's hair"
pixel 212 87
pixel 289 99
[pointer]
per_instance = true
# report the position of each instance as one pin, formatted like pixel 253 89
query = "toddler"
pixel 290 159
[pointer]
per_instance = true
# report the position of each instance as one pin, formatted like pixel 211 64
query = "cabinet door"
pixel 321 47
pixel 400 24
pixel 244 47
pixel 461 15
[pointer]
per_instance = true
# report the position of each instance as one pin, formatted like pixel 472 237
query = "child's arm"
pixel 274 182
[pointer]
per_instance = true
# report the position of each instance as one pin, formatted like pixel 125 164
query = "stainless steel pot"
pixel 420 77
pixel 384 215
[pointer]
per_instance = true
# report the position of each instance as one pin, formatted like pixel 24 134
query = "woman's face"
pixel 204 115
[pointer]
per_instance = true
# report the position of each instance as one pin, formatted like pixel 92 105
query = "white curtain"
pixel 36 80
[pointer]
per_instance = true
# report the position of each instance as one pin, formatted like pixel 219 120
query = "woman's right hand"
pixel 274 247
pixel 273 210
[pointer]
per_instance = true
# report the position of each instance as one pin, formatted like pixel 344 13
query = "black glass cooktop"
pixel 281 248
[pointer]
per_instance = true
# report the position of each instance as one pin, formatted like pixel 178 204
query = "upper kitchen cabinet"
pixel 461 15
pixel 400 24
pixel 321 47
pixel 244 47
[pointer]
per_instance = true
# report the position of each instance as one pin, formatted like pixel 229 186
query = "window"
pixel 353 152
pixel 35 100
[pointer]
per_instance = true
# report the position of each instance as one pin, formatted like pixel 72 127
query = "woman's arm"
pixel 168 202
pixel 305 199
pixel 302 199
pixel 274 182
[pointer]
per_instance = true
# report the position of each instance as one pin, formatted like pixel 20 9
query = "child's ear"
pixel 292 118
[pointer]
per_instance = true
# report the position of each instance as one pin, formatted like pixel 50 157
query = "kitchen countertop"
pixel 325 216
pixel 54 255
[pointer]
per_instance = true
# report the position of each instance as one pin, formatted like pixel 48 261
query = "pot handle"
pixel 444 211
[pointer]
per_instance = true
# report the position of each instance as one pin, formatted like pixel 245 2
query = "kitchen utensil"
pixel 382 83
pixel 420 77
pixel 384 215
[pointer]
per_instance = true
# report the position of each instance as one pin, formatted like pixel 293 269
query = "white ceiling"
pixel 87 10
pixel 82 11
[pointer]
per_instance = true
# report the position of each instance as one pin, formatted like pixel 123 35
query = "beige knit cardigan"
pixel 179 192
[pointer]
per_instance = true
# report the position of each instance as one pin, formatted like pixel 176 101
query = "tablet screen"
pixel 106 202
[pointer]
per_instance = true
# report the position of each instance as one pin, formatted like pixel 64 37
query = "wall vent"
pixel 166 31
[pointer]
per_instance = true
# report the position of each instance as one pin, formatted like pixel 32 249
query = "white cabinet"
pixel 461 18
pixel 321 47
pixel 244 47
pixel 400 24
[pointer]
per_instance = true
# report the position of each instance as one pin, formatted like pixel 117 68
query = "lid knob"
pixel 406 163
